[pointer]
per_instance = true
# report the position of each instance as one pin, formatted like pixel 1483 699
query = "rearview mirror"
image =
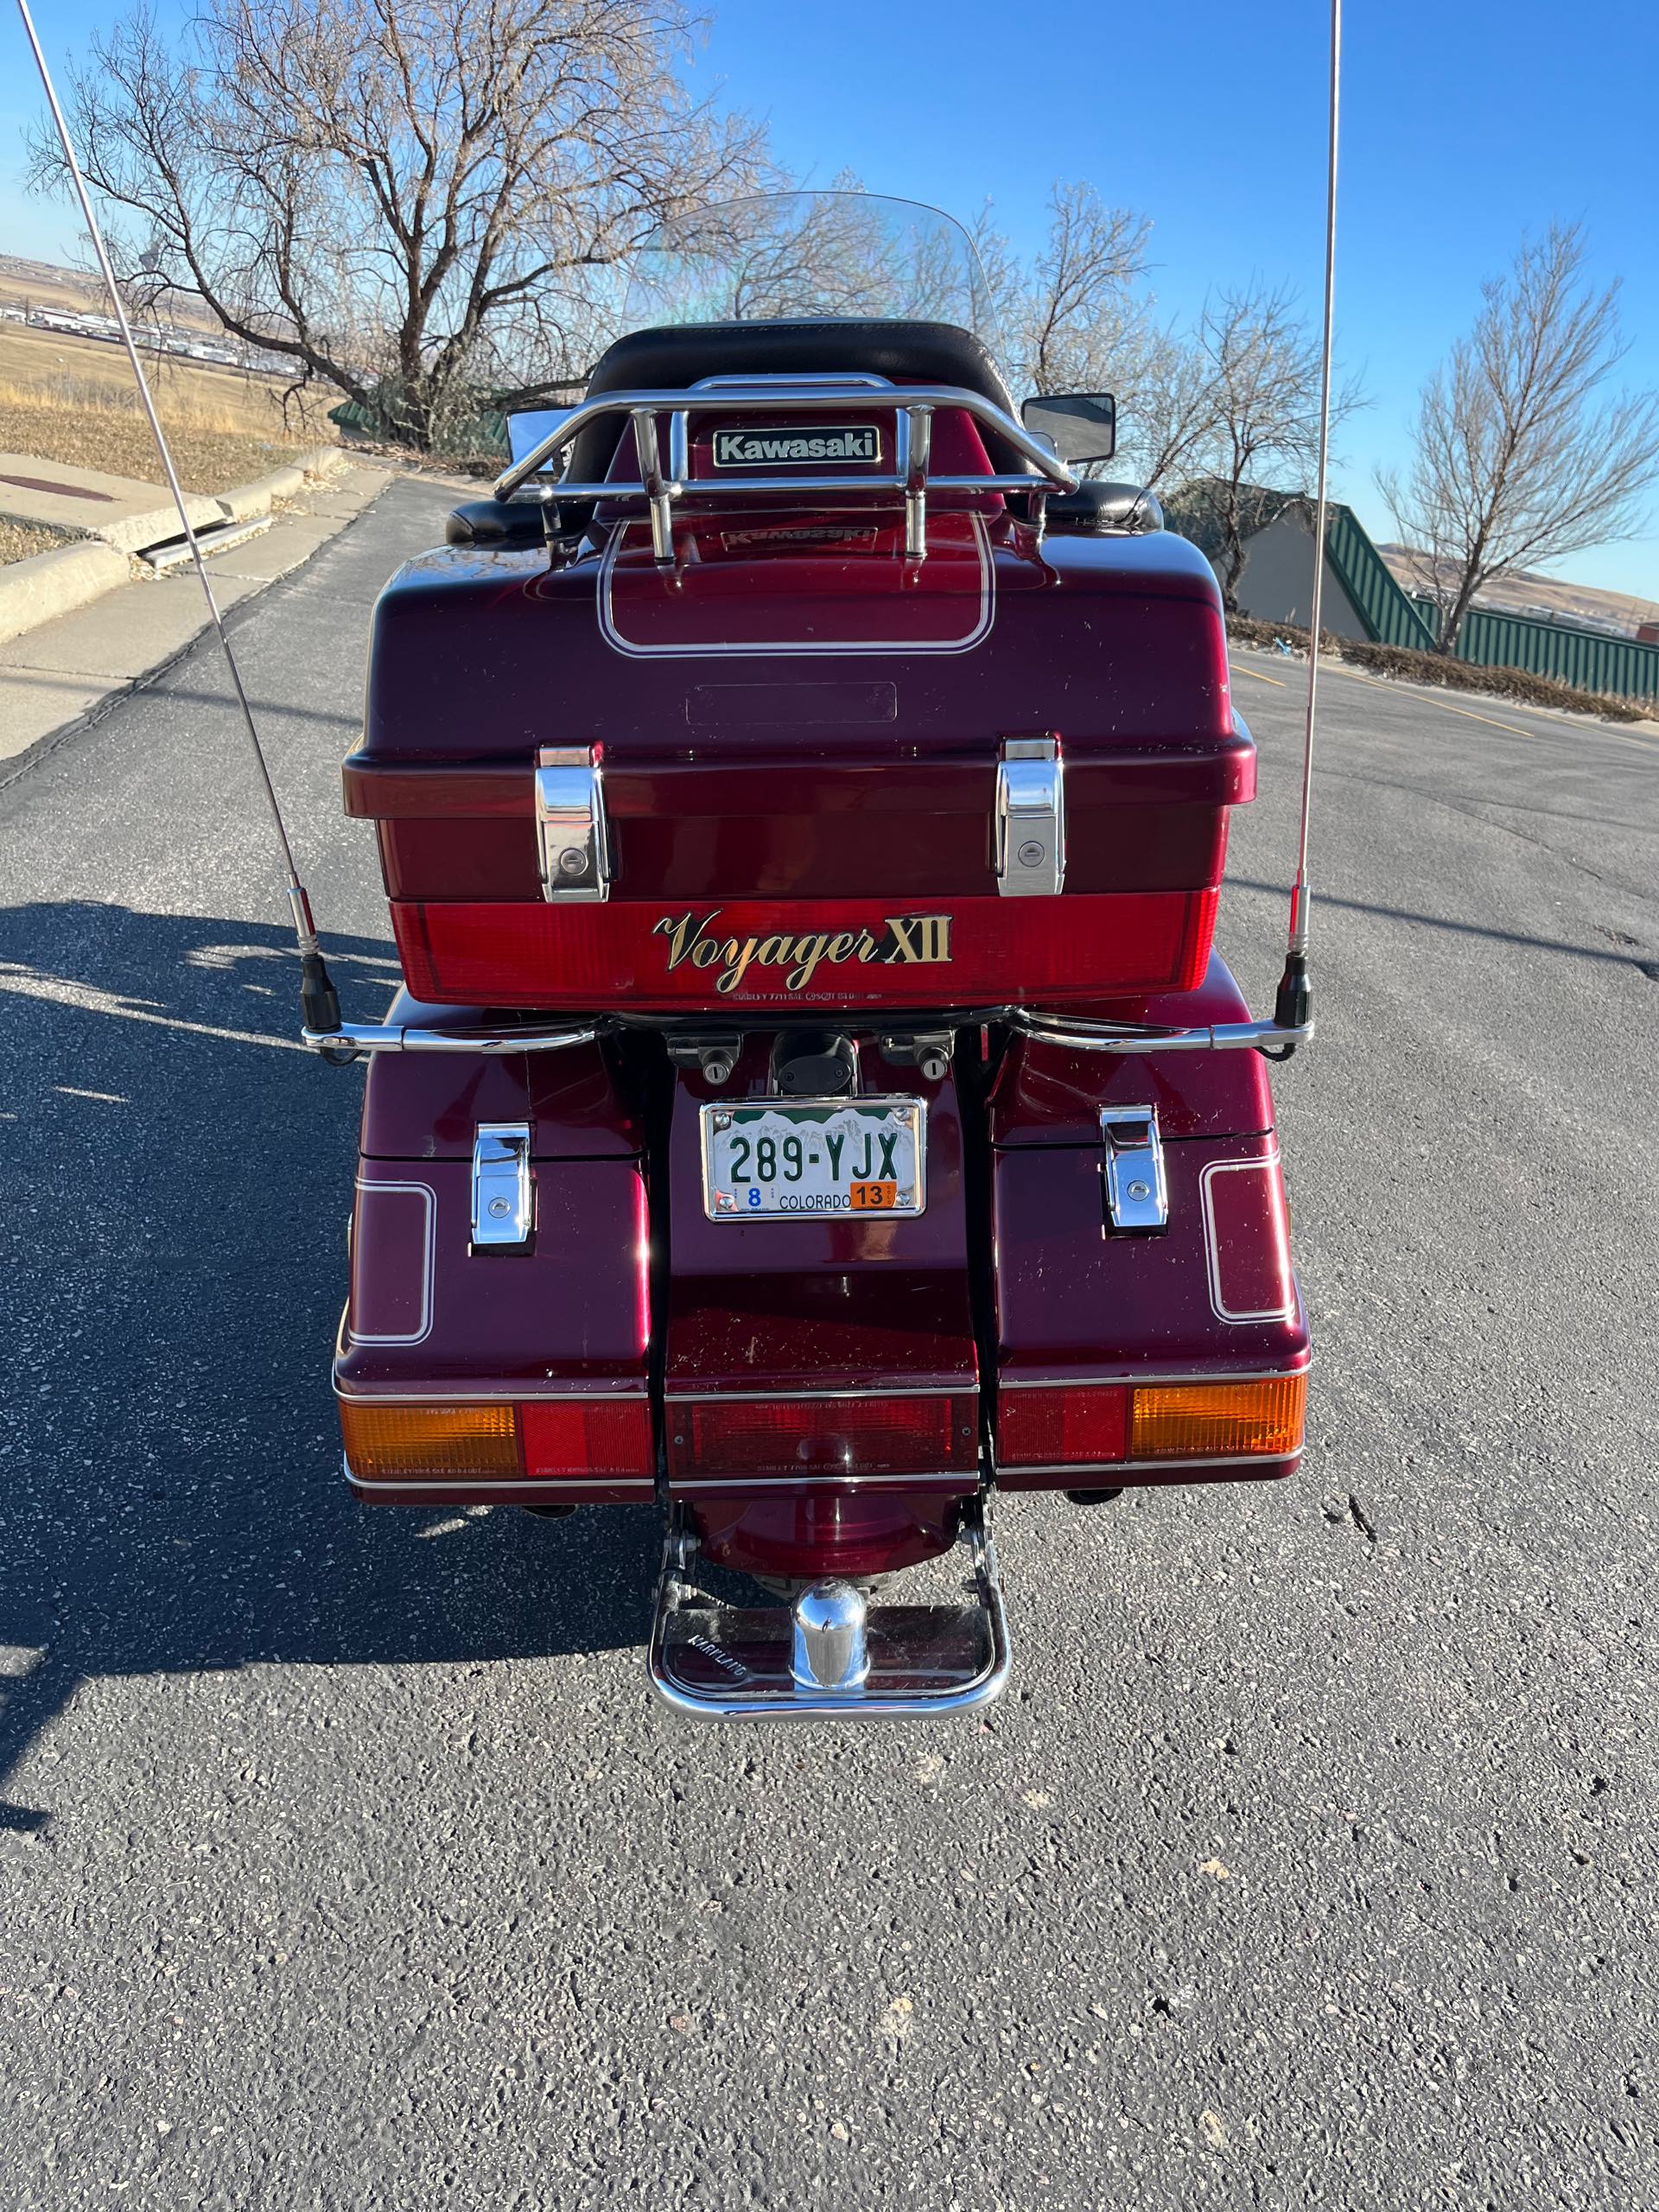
pixel 1083 425
pixel 526 431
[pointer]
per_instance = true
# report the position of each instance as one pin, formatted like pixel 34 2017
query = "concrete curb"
pixel 67 576
pixel 249 500
pixel 56 582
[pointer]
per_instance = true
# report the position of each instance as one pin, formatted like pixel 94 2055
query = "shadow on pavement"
pixel 1454 928
pixel 176 1176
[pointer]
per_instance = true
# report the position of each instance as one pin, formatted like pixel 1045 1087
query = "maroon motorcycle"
pixel 802 799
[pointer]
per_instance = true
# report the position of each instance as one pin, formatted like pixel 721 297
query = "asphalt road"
pixel 1310 1861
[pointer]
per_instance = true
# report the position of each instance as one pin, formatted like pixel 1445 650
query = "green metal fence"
pixel 1391 618
pixel 1587 659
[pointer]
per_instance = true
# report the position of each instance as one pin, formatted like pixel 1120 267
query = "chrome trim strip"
pixel 963 1484
pixel 1135 1374
pixel 740 648
pixel 531 1485
pixel 1107 1468
pixel 1262 1164
pixel 517 1395
pixel 871 1390
pixel 429 1275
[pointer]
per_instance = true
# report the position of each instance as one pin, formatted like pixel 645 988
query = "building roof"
pixel 1389 616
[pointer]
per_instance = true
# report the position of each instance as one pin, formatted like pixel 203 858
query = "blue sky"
pixel 1464 125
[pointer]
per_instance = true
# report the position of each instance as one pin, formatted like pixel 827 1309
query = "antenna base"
pixel 1291 1007
pixel 321 1002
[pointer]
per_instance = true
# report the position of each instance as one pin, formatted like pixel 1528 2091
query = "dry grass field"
pixel 71 399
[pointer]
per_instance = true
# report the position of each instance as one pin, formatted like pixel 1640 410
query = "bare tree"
pixel 1522 455
pixel 1068 318
pixel 413 200
pixel 1168 407
pixel 1259 363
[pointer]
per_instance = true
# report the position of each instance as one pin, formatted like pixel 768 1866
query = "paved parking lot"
pixel 1310 1860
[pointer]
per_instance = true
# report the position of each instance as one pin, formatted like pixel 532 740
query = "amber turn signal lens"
pixel 1219 1421
pixel 425 1443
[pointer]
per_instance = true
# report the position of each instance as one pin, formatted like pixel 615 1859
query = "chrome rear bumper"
pixel 830 1655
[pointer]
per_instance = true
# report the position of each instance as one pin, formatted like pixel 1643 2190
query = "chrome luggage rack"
pixel 911 407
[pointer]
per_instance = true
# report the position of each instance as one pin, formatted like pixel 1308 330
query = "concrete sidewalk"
pixel 56 676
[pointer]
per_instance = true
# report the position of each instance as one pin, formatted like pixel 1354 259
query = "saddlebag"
pixel 1133 1349
pixel 470 1370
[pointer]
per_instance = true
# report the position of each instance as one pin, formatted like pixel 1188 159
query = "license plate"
pixel 780 1158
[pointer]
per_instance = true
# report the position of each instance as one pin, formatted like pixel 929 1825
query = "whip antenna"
pixel 317 993
pixel 1291 1007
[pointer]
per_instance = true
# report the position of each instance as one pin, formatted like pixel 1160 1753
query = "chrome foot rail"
pixel 830 1655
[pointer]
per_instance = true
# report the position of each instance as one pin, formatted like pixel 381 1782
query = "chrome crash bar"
pixel 1084 1036
pixel 911 407
pixel 352 1039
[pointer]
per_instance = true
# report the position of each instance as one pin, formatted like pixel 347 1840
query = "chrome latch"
pixel 1030 818
pixel 503 1203
pixel 570 825
pixel 1137 1196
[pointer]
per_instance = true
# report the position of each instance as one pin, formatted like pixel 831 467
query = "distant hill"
pixel 1545 598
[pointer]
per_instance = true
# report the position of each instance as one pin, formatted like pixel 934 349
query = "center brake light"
pixel 924 1433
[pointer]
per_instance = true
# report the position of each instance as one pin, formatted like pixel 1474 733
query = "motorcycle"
pixel 815 1104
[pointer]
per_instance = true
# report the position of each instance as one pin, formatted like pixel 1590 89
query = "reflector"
pixel 823 1436
pixel 422 1443
pixel 1077 1425
pixel 1219 1421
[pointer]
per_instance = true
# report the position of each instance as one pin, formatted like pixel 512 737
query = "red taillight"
pixel 587 1436
pixel 806 952
pixel 1081 1425
pixel 590 1438
pixel 921 1435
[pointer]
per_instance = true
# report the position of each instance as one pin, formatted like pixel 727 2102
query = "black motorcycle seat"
pixel 1096 509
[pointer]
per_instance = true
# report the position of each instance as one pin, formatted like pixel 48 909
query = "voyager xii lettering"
pixel 848 441
pixel 919 938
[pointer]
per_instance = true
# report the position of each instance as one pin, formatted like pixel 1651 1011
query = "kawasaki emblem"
pixel 847 443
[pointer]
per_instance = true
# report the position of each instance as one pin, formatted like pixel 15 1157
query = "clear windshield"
pixel 803 255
